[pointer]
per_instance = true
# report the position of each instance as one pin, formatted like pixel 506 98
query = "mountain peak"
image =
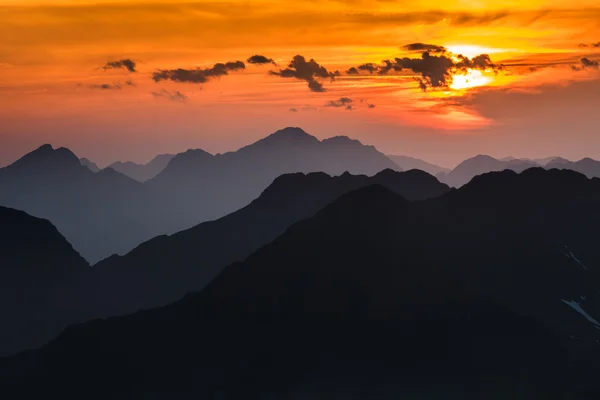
pixel 293 135
pixel 47 157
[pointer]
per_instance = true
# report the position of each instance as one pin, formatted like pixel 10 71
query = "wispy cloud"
pixel 174 96
pixel 126 63
pixel 307 71
pixel 197 75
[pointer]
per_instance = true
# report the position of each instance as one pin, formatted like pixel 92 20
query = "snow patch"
pixel 570 255
pixel 577 307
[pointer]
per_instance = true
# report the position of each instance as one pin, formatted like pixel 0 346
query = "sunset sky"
pixel 66 76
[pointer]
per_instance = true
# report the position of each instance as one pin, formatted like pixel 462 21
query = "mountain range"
pixel 166 268
pixel 487 291
pixel 408 163
pixel 107 212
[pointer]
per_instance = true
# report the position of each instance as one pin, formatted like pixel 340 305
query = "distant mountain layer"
pixel 143 172
pixel 488 291
pixel 35 260
pixel 166 268
pixel 408 163
pixel 108 212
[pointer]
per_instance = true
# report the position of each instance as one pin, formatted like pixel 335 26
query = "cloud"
pixel 197 75
pixel 106 86
pixel 371 105
pixel 424 47
pixel 345 102
pixel 293 109
pixel 126 63
pixel 435 71
pixel 586 63
pixel 589 45
pixel 307 71
pixel 352 71
pixel 370 67
pixel 174 96
pixel 260 60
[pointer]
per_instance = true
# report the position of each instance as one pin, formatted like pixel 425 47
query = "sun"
pixel 473 78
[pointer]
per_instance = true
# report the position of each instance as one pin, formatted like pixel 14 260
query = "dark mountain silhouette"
pixel 586 166
pixel 481 164
pixel 166 268
pixel 99 213
pixel 143 172
pixel 204 187
pixel 35 262
pixel 89 164
pixel 107 212
pixel 408 163
pixel 489 291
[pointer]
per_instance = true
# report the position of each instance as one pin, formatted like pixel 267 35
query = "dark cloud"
pixel 424 47
pixel 589 45
pixel 125 63
pixel 307 71
pixel 174 96
pixel 293 109
pixel 198 75
pixel 260 60
pixel 587 63
pixel 369 67
pixel 352 71
pixel 371 105
pixel 435 71
pixel 345 102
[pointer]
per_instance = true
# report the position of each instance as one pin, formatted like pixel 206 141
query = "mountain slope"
pixel 35 262
pixel 205 187
pixel 469 295
pixel 143 172
pixel 99 213
pixel 482 164
pixel 167 267
pixel 89 164
pixel 408 163
pixel 586 166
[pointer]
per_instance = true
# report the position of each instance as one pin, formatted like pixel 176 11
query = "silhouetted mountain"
pixel 89 164
pixel 481 164
pixel 99 213
pixel 489 291
pixel 107 213
pixel 35 262
pixel 586 166
pixel 165 268
pixel 408 163
pixel 143 172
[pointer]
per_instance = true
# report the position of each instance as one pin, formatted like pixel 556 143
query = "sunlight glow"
pixel 473 78
pixel 473 50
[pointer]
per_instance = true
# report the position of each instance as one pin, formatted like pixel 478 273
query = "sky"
pixel 443 81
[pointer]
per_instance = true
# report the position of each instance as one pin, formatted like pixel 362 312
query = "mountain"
pixel 481 164
pixel 165 268
pixel 488 291
pixel 586 166
pixel 201 186
pixel 109 213
pixel 408 163
pixel 99 213
pixel 143 172
pixel 89 164
pixel 35 262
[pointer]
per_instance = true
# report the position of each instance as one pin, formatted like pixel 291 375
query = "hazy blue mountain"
pixel 89 164
pixel 481 164
pixel 99 213
pixel 491 290
pixel 202 186
pixel 143 172
pixel 408 163
pixel 586 166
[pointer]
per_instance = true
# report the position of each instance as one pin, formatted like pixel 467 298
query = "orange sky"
pixel 543 102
